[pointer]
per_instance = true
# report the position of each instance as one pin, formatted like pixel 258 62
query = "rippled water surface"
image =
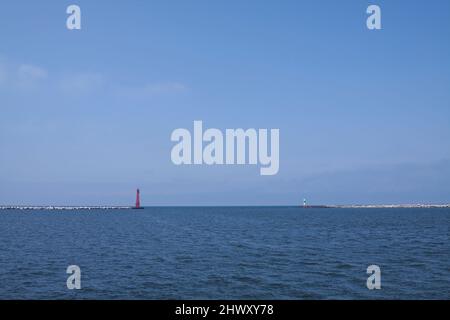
pixel 226 253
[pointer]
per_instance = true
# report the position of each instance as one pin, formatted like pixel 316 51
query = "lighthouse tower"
pixel 138 200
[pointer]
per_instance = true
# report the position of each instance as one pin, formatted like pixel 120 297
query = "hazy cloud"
pixel 28 76
pixel 27 71
pixel 22 76
pixel 3 75
pixel 171 87
pixel 3 71
pixel 407 182
pixel 153 89
pixel 83 83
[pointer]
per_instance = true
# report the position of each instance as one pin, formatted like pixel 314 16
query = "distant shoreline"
pixel 381 206
pixel 365 206
pixel 64 207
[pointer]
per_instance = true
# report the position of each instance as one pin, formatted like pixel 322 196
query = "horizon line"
pixel 324 206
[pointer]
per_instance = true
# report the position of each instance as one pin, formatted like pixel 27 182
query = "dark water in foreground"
pixel 226 253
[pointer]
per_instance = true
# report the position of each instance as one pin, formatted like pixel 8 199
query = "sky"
pixel 86 115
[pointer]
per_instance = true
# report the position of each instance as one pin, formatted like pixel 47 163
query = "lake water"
pixel 225 253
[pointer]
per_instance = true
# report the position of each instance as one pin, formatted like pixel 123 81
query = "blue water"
pixel 226 253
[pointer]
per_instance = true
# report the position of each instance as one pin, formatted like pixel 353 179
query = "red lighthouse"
pixel 138 200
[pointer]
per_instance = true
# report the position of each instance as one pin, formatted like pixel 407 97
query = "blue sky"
pixel 86 116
